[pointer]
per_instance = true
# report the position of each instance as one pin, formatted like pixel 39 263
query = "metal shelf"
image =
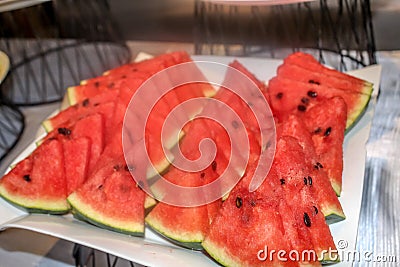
pixel 339 30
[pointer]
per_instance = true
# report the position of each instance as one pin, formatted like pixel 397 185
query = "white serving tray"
pixel 153 250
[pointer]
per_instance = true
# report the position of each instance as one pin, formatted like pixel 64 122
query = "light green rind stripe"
pixel 187 240
pixel 46 206
pixel 86 212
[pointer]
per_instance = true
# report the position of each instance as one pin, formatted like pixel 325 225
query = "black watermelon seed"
pixel 116 167
pixel 214 165
pixel 64 131
pixel 111 85
pixel 100 187
pixel 123 77
pixel 96 104
pixel 305 100
pixel 315 210
pixel 309 180
pixel 96 84
pixel 279 95
pixel 314 82
pixel 235 124
pixel 318 166
pixel 328 131
pixel 312 94
pixel 318 130
pixel 134 69
pixel 85 102
pixel 305 180
pixel 253 203
pixel 301 108
pixel 239 202
pixel 282 181
pixel 202 175
pixel 307 220
pixel 27 178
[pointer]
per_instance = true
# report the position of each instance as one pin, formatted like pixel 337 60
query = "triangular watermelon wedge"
pixel 111 199
pixel 280 215
pixel 324 193
pixel 289 96
pixel 37 184
pixel 327 122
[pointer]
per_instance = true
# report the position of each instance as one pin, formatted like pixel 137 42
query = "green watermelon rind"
pixel 193 242
pixel 333 216
pixel 85 212
pixel 224 258
pixel 220 255
pixel 362 107
pixel 43 206
pixel 332 213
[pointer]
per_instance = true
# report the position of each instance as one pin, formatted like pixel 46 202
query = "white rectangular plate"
pixel 155 251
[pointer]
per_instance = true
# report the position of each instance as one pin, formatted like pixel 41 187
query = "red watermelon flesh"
pixel 38 183
pixel 187 226
pixel 293 176
pixel 112 81
pixel 111 199
pixel 76 155
pixel 323 191
pixel 151 65
pixel 308 62
pixel 93 128
pixel 101 103
pixel 288 96
pixel 289 228
pixel 307 76
pixel 328 127
pixel 237 65
pixel 81 92
pixel 251 221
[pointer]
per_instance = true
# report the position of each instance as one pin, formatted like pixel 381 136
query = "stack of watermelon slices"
pixel 290 211
pixel 83 147
pixel 302 82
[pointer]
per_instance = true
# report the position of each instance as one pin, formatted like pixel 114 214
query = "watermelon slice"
pixel 35 185
pixel 299 187
pixel 102 104
pixel 77 158
pixel 91 127
pixel 322 189
pixel 251 221
pixel 110 199
pixel 303 75
pixel 289 95
pixel 308 62
pixel 280 215
pixel 133 75
pixel 186 226
pixel 151 65
pixel 327 126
